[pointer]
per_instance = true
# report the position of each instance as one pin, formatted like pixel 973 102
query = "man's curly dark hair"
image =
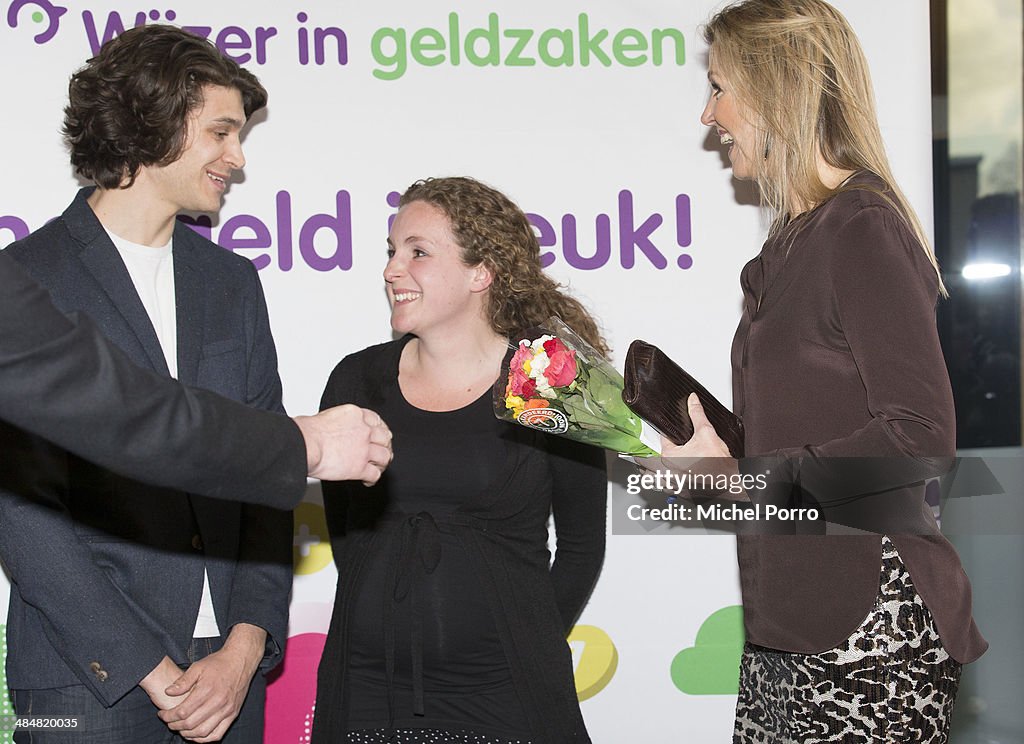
pixel 129 105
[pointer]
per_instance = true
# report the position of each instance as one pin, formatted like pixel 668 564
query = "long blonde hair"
pixel 798 70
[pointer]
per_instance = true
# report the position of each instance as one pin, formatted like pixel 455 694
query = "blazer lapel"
pixel 103 262
pixel 214 517
pixel 190 301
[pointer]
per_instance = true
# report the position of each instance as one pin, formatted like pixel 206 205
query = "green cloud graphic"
pixel 712 665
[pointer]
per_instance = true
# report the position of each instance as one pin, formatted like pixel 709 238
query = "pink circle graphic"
pixel 291 691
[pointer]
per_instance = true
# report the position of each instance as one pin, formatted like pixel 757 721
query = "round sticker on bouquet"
pixel 550 420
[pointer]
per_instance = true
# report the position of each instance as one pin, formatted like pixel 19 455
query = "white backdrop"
pixel 568 142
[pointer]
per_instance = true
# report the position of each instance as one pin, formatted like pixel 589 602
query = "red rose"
pixel 529 388
pixel 561 369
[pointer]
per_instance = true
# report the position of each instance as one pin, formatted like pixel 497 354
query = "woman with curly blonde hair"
pixel 449 622
pixel 853 637
pixel 493 232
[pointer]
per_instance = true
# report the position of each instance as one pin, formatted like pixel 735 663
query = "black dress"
pixel 448 624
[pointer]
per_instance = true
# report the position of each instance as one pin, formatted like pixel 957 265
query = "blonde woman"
pixel 849 638
pixel 449 623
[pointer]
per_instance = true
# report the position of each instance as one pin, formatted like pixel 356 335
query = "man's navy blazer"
pixel 61 379
pixel 107 571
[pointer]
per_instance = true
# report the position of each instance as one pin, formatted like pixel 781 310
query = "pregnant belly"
pixel 460 642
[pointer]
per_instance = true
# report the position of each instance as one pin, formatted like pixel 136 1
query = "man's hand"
pixel 216 686
pixel 346 443
pixel 156 682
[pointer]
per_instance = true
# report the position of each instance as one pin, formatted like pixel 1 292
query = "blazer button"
pixel 197 542
pixel 99 671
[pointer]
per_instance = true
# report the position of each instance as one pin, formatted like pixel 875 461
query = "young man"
pixel 118 586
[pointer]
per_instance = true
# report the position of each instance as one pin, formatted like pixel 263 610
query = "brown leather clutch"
pixel 656 390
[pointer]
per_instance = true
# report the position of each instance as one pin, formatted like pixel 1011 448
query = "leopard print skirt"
pixel 890 681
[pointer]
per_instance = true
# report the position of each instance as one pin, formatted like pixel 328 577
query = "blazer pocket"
pixel 216 348
pixel 222 368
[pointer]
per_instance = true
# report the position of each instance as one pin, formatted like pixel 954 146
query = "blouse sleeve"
pixel 884 291
pixel 579 505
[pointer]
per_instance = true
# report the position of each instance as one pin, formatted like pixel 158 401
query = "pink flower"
pixel 517 376
pixel 561 369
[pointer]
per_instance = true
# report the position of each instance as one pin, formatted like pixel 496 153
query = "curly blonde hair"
pixel 493 231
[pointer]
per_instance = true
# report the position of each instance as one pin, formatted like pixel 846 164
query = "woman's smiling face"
pixel 428 284
pixel 732 120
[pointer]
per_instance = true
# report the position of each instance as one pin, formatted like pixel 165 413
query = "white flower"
pixel 538 364
pixel 538 345
pixel 545 390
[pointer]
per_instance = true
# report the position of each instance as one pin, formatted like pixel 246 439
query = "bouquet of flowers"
pixel 557 383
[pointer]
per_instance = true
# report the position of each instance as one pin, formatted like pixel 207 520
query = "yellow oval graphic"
pixel 594 659
pixel 311 547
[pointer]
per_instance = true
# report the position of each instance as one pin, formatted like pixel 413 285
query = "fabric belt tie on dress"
pixel 419 552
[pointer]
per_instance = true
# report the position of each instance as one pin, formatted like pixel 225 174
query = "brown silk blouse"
pixel 837 355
